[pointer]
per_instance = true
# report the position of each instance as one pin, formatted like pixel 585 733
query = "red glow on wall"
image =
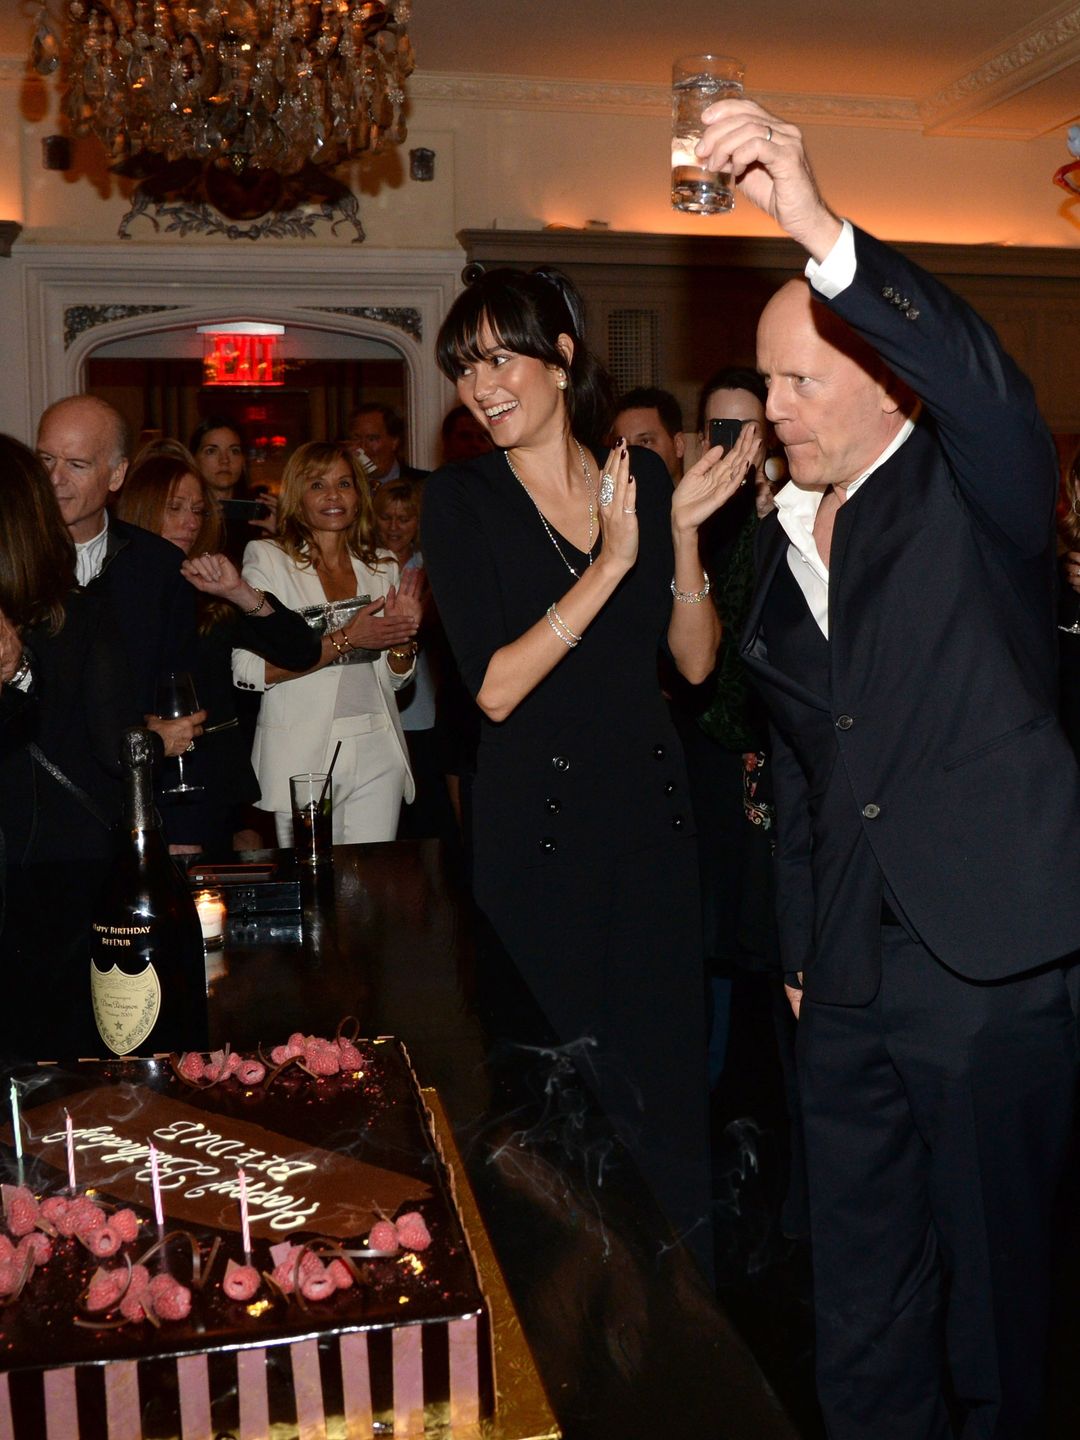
pixel 230 359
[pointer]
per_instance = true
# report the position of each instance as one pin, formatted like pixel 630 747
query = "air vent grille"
pixel 633 348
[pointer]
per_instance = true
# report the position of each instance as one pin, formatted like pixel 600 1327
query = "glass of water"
pixel 698 81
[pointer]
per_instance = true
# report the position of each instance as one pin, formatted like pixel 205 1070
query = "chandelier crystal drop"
pixel 265 84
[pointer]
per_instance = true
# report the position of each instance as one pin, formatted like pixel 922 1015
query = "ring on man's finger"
pixel 768 133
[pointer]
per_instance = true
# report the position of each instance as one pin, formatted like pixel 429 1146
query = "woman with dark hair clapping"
pixel 557 578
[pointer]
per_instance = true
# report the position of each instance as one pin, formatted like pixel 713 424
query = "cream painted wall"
pixel 526 166
pixel 508 155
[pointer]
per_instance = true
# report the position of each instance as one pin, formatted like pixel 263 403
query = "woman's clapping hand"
pixel 714 479
pixel 390 621
pixel 618 518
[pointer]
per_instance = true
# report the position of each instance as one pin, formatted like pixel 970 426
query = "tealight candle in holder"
pixel 211 907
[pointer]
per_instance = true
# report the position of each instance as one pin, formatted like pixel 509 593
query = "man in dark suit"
pixel 928 810
pixel 83 444
pixel 377 431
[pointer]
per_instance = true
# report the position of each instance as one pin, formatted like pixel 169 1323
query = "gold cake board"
pixel 522 1410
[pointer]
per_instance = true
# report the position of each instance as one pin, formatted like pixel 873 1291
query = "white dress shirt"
pixel 90 554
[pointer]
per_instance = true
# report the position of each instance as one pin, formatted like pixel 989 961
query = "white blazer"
pixel 296 715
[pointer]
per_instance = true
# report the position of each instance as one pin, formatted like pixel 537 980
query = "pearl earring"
pixel 561 382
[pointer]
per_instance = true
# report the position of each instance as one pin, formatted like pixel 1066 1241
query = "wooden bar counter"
pixel 627 1338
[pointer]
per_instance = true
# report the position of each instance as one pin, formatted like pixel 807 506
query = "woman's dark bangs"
pixel 507 315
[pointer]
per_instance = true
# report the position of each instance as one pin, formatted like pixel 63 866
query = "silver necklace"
pixel 543 519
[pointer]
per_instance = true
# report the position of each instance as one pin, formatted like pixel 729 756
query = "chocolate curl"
pixel 341 1033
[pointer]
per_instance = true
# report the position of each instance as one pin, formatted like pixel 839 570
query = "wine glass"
pixel 176 697
pixel 1074 628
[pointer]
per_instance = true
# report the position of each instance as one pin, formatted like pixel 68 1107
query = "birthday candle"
pixel 244 1213
pixel 155 1181
pixel 70 1151
pixel 16 1124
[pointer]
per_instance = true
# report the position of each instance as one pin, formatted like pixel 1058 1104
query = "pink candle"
pixel 244 1214
pixel 70 1151
pixel 155 1181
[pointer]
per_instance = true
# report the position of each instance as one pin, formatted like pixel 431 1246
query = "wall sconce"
pixel 422 164
pixel 56 152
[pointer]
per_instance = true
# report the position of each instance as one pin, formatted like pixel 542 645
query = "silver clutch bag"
pixel 332 615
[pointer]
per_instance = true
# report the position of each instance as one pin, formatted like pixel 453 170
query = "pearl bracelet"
pixel 691 597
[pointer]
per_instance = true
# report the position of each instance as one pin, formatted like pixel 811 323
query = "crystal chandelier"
pixel 258 84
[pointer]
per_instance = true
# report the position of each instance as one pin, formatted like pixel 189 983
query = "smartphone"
pixel 244 509
pixel 724 432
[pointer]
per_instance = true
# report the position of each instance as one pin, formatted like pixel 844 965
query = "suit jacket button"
pixel 560 762
pixel 871 812
pixel 658 751
pixel 552 806
pixel 844 722
pixel 548 845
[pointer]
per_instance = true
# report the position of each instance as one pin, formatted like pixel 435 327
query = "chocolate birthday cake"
pixel 357 1311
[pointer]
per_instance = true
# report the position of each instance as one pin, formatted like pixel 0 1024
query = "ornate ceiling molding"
pixel 1025 60
pixel 518 92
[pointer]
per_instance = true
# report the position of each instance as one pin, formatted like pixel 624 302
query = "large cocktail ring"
pixel 607 489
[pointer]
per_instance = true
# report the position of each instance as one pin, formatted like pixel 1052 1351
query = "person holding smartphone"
pixel 220 450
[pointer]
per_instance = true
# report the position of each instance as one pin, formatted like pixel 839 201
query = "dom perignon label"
pixel 126 1006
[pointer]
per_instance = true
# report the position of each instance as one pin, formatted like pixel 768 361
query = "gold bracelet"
pixel 339 648
pixel 691 597
pixel 403 652
pixel 259 607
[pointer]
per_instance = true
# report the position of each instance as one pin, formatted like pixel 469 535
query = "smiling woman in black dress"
pixel 557 579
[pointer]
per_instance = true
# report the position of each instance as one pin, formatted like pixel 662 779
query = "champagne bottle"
pixel 147 975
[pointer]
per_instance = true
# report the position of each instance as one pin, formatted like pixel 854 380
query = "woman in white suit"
pixel 325 551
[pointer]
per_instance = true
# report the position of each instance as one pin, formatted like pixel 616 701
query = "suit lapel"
pixel 772 553
pixel 843 524
pixel 771 548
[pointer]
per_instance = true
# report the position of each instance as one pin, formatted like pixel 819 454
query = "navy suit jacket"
pixel 151 604
pixel 928 768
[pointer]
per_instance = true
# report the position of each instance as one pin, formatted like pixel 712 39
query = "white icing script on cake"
pixel 290 1184
pixel 175 1172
